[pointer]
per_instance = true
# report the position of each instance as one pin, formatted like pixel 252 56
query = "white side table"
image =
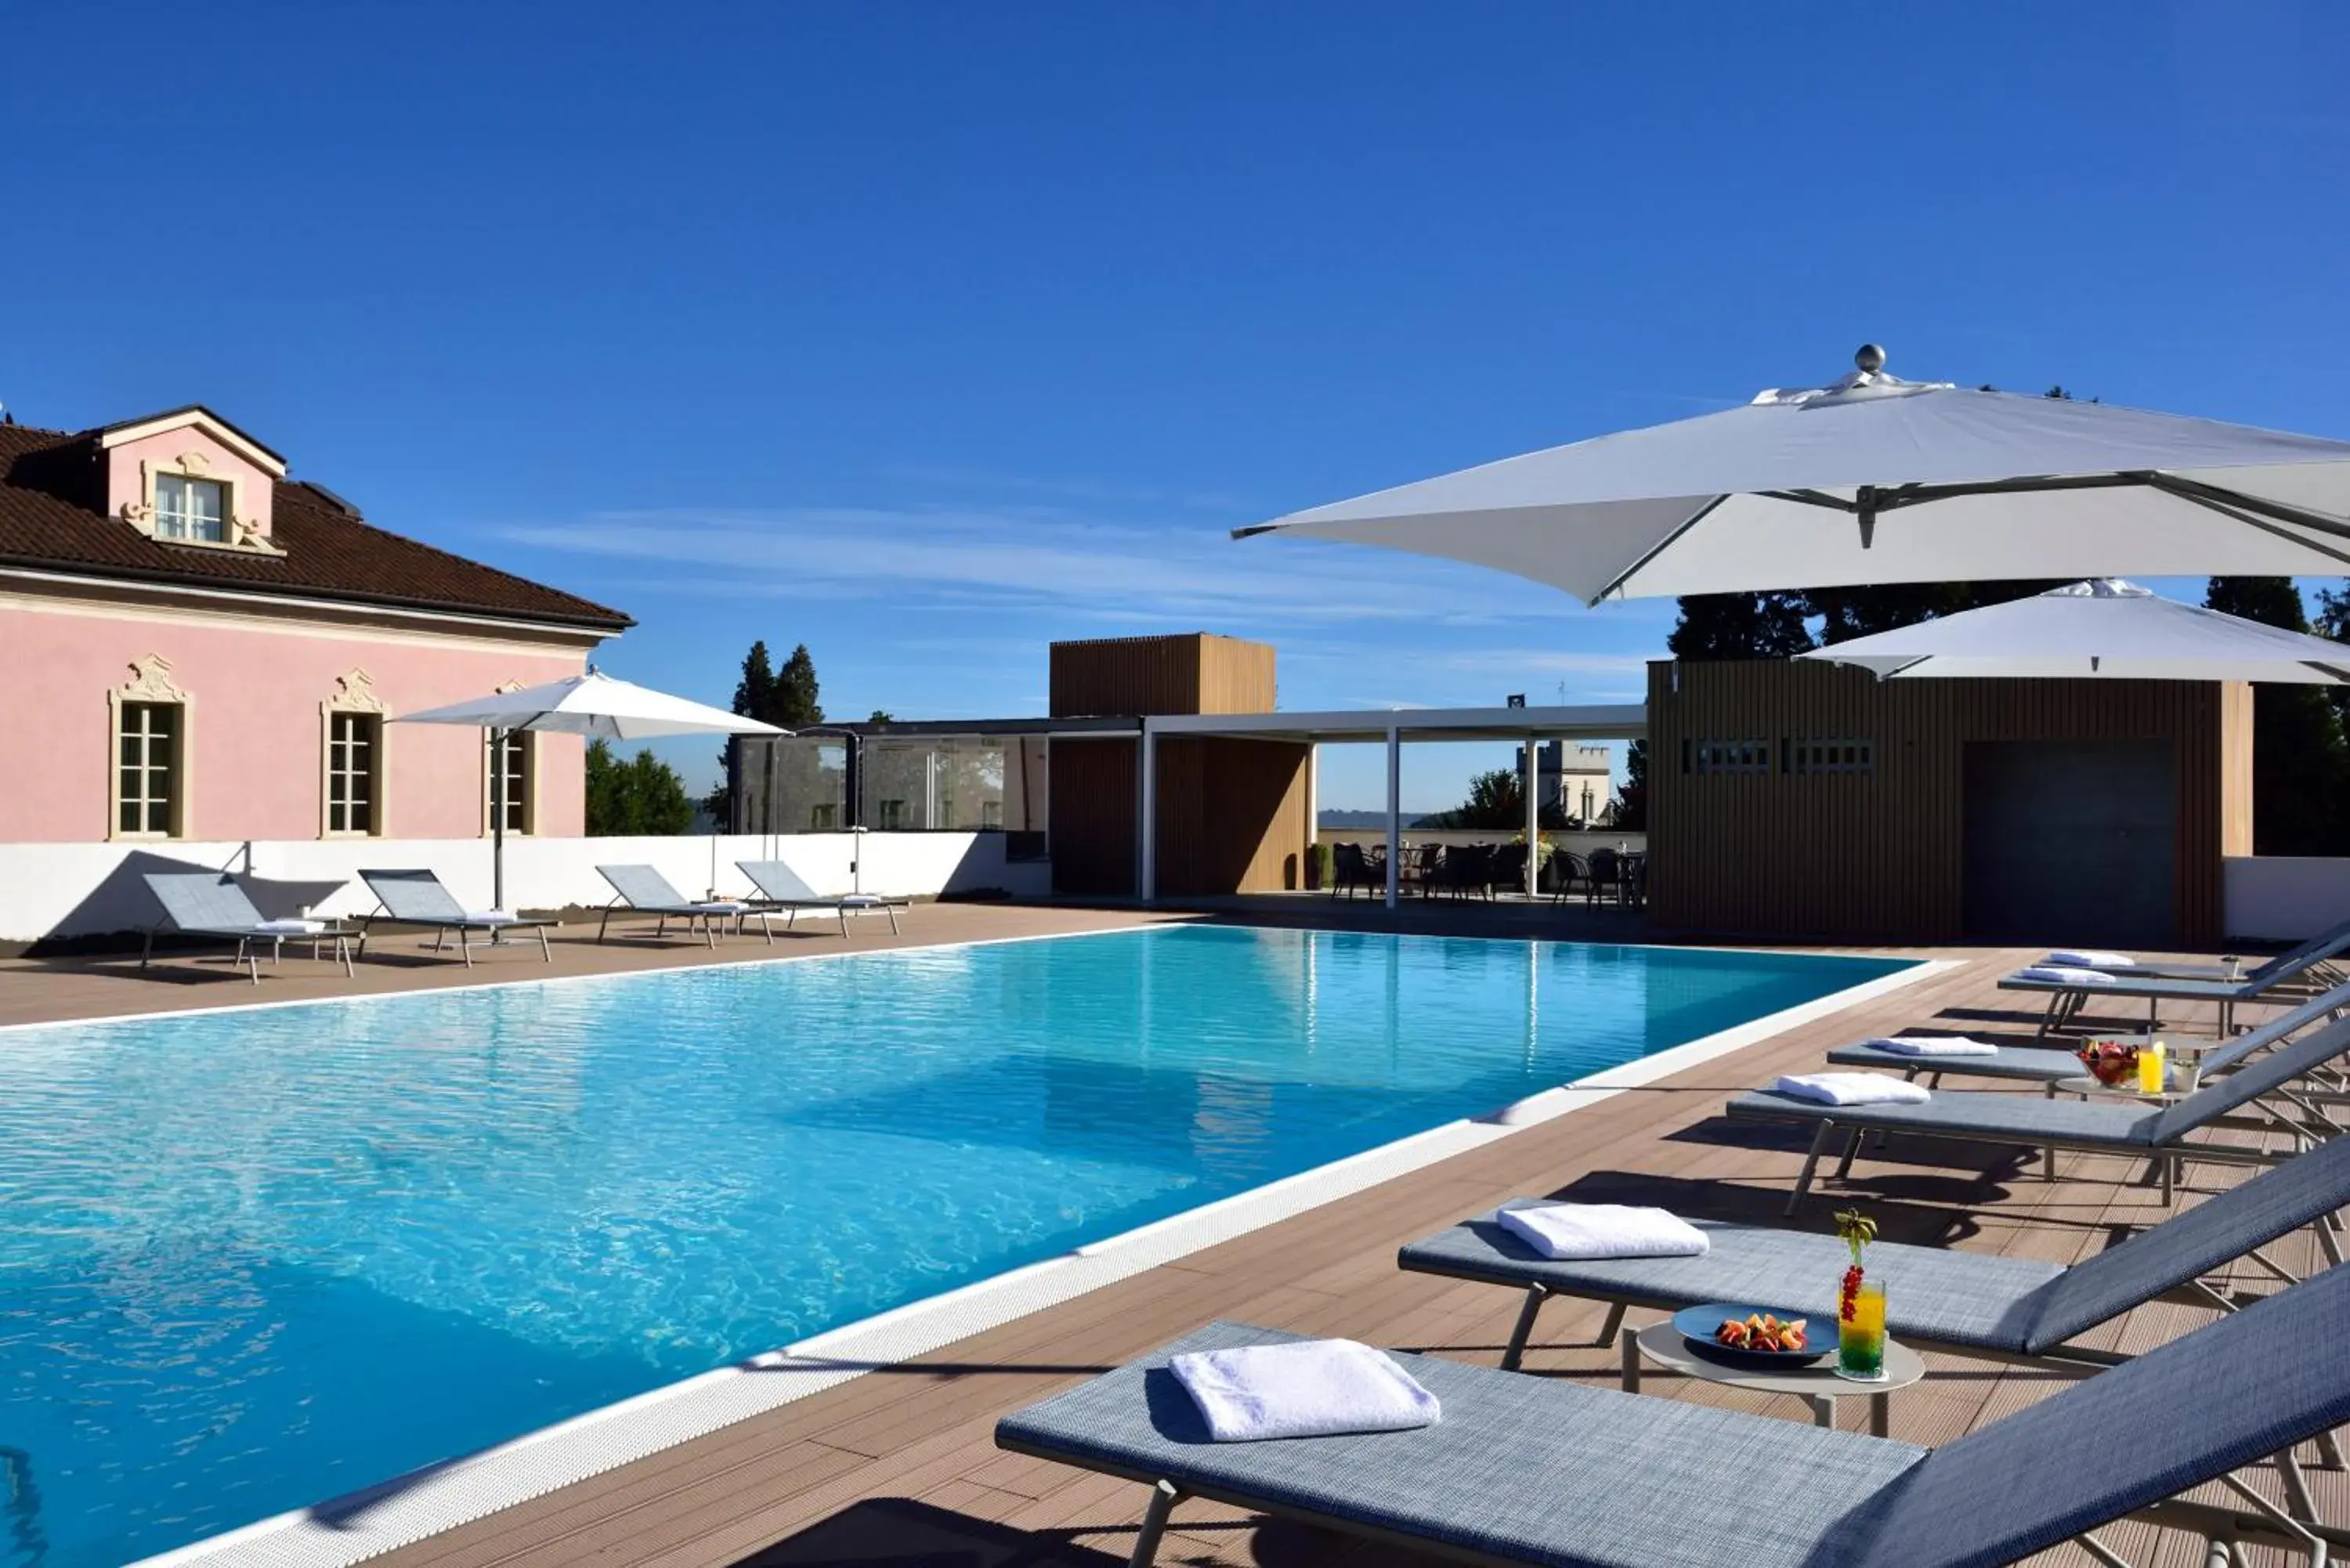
pixel 1816 1383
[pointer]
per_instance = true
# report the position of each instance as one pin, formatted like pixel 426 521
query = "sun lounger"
pixel 1974 1304
pixel 780 888
pixel 1530 1470
pixel 2293 976
pixel 2106 1127
pixel 643 890
pixel 2044 1065
pixel 211 904
pixel 418 897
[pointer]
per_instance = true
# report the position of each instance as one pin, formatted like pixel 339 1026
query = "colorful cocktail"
pixel 1860 1334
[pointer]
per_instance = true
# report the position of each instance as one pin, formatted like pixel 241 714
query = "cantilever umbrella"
pixel 1877 480
pixel 2102 629
pixel 595 705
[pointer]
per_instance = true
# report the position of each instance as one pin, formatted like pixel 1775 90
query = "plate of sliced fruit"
pixel 1752 1334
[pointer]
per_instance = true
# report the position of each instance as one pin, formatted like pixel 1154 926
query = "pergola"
pixel 1394 726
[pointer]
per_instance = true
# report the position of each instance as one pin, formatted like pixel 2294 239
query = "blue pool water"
pixel 253 1259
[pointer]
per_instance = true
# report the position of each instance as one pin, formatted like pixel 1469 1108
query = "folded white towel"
pixel 1933 1045
pixel 493 916
pixel 2088 958
pixel 1312 1388
pixel 1585 1232
pixel 2063 974
pixel 1852 1089
pixel 291 928
pixel 724 906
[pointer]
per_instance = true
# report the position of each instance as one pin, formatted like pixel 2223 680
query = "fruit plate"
pixel 1697 1324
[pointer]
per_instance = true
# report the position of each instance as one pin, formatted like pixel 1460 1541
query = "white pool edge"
pixel 426 1502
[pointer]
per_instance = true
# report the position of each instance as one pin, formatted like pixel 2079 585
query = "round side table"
pixel 1817 1383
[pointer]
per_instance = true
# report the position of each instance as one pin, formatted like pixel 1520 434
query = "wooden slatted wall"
pixel 1878 855
pixel 1196 672
pixel 1093 811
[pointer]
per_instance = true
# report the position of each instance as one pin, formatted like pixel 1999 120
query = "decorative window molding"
pixel 152 753
pixel 1725 756
pixel 242 532
pixel 354 761
pixel 1804 754
pixel 521 799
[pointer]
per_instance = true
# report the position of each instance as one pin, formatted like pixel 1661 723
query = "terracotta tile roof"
pixel 51 516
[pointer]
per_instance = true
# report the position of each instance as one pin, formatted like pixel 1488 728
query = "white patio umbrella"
pixel 595 705
pixel 1877 480
pixel 2103 629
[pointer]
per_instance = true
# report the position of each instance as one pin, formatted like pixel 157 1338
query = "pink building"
pixel 195 646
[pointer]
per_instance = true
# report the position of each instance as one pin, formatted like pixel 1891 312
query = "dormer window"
pixel 191 508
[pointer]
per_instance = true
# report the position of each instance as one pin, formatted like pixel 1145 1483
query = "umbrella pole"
pixel 498 821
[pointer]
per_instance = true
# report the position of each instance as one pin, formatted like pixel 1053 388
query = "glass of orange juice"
pixel 1860 1338
pixel 2149 1067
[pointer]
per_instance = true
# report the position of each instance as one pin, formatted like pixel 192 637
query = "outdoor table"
pixel 1816 1383
pixel 2169 1166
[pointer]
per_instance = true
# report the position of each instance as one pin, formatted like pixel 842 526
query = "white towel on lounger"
pixel 2088 958
pixel 493 916
pixel 1311 1388
pixel 290 928
pixel 1852 1089
pixel 1934 1045
pixel 2060 975
pixel 1586 1232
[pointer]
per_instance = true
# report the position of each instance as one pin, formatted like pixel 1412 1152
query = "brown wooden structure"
pixel 1789 798
pixel 1233 815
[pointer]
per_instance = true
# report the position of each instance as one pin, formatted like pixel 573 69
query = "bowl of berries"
pixel 2111 1061
pixel 1753 1334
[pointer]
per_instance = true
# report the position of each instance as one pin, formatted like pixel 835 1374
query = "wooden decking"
pixel 899 1466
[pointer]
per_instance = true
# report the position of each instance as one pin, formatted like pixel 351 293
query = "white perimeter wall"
pixel 76 889
pixel 2285 898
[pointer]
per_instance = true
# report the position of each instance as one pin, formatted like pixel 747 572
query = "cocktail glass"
pixel 1860 1338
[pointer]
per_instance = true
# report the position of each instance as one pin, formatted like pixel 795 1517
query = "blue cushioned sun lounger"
pixel 418 897
pixel 781 888
pixel 2037 1065
pixel 2107 1127
pixel 212 904
pixel 2007 1309
pixel 2290 976
pixel 1530 1470
pixel 643 890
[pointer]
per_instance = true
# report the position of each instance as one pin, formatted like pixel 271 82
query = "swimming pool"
pixel 258 1258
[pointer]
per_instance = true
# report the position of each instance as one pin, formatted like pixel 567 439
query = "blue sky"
pixel 925 334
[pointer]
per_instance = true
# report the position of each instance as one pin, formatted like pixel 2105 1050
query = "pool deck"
pixel 899 1466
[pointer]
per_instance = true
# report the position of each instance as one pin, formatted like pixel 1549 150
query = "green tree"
pixel 2333 620
pixel 1740 625
pixel 640 795
pixel 2301 763
pixel 795 707
pixel 882 716
pixel 1496 799
pixel 755 694
pixel 786 698
pixel 1632 799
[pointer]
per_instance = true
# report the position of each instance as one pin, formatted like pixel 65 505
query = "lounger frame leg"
pixel 546 953
pixel 2101 1552
pixel 1615 1321
pixel 1514 1351
pixel 1811 1165
pixel 1164 1496
pixel 1629 1342
pixel 1851 1148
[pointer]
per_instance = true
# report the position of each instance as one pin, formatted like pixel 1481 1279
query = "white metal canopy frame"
pixel 1874 479
pixel 1390 726
pixel 2101 630
pixel 594 705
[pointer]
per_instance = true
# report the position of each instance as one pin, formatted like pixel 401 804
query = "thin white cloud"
pixel 998 556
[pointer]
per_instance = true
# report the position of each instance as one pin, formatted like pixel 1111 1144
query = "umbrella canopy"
pixel 593 704
pixel 1877 480
pixel 2106 629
